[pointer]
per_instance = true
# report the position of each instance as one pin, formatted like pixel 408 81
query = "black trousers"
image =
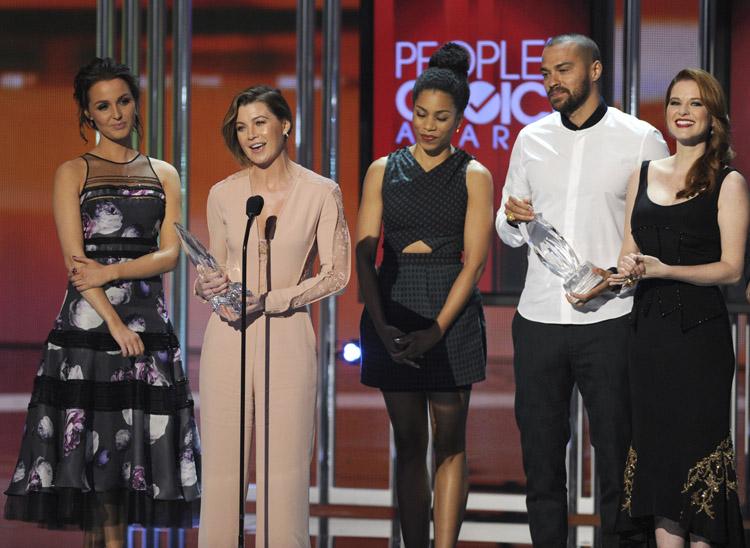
pixel 549 360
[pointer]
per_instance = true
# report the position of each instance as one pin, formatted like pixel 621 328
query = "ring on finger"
pixel 510 216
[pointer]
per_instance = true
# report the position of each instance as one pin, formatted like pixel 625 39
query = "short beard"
pixel 575 99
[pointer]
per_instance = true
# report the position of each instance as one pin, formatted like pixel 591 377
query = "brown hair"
pixel 96 70
pixel 705 170
pixel 271 97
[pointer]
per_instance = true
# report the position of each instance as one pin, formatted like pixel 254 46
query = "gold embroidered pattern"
pixel 627 481
pixel 706 478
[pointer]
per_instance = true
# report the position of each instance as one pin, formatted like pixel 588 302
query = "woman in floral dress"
pixel 110 437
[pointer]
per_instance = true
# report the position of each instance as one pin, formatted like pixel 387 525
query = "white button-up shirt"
pixel 577 179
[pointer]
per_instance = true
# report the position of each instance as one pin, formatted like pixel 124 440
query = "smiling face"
pixel 260 133
pixel 112 109
pixel 434 121
pixel 688 119
pixel 568 76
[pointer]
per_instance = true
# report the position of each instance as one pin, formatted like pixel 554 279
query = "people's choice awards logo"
pixel 484 103
pixel 496 104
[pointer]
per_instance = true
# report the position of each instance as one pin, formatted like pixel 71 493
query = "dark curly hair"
pixel 704 172
pixel 267 95
pixel 96 70
pixel 447 71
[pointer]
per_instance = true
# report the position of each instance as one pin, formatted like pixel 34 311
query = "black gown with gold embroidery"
pixel 681 465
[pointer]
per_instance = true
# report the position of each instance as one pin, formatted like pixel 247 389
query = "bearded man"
pixel 573 166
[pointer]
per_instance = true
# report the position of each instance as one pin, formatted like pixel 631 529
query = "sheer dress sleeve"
pixel 334 249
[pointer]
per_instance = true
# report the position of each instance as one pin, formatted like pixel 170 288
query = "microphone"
pixel 270 227
pixel 254 206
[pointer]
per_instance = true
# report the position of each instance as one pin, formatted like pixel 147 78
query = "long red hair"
pixel 704 172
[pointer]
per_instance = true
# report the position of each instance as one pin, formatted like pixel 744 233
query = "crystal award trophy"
pixel 558 256
pixel 199 255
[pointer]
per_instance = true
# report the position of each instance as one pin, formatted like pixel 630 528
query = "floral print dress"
pixel 103 430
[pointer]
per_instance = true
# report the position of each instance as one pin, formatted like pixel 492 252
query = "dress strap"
pixel 643 178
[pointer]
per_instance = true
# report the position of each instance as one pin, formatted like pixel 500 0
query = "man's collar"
pixel 594 119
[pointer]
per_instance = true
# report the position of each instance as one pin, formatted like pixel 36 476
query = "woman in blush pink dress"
pixel 309 223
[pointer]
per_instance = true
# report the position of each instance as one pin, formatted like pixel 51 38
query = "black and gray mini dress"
pixel 431 207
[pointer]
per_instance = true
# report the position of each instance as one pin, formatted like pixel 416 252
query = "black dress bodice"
pixel 428 206
pixel 686 233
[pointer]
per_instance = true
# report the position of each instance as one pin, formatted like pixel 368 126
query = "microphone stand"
pixel 270 232
pixel 253 207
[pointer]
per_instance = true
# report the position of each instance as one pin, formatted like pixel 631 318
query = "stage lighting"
pixel 352 352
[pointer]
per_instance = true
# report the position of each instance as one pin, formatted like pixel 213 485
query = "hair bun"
pixel 453 57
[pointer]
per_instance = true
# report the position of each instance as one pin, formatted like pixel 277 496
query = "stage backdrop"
pixel 505 42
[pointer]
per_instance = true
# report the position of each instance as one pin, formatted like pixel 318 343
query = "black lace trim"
pixel 105 342
pixel 127 254
pixel 69 508
pixel 111 396
pixel 114 241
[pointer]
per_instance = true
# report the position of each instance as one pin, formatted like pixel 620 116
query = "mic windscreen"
pixel 254 206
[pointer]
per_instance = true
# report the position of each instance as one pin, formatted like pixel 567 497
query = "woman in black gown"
pixel 110 438
pixel 686 224
pixel 423 330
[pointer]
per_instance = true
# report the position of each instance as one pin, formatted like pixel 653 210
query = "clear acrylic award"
pixel 558 256
pixel 199 255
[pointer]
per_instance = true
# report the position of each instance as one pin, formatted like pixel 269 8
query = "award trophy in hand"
pixel 558 256
pixel 199 256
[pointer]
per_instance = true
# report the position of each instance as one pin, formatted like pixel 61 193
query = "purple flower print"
pixel 136 323
pixel 122 439
pixel 132 232
pixel 161 307
pixel 64 368
pixel 92 445
pixel 102 458
pixel 145 370
pixel 188 472
pixel 20 472
pixel 107 218
pixel 163 355
pixel 157 426
pixel 88 225
pixel 73 427
pixel 122 374
pixel 70 372
pixel 138 479
pixel 145 288
pixel 83 315
pixel 45 428
pixel 40 475
pixel 119 292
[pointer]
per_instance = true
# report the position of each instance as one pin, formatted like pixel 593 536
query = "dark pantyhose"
pixel 447 416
